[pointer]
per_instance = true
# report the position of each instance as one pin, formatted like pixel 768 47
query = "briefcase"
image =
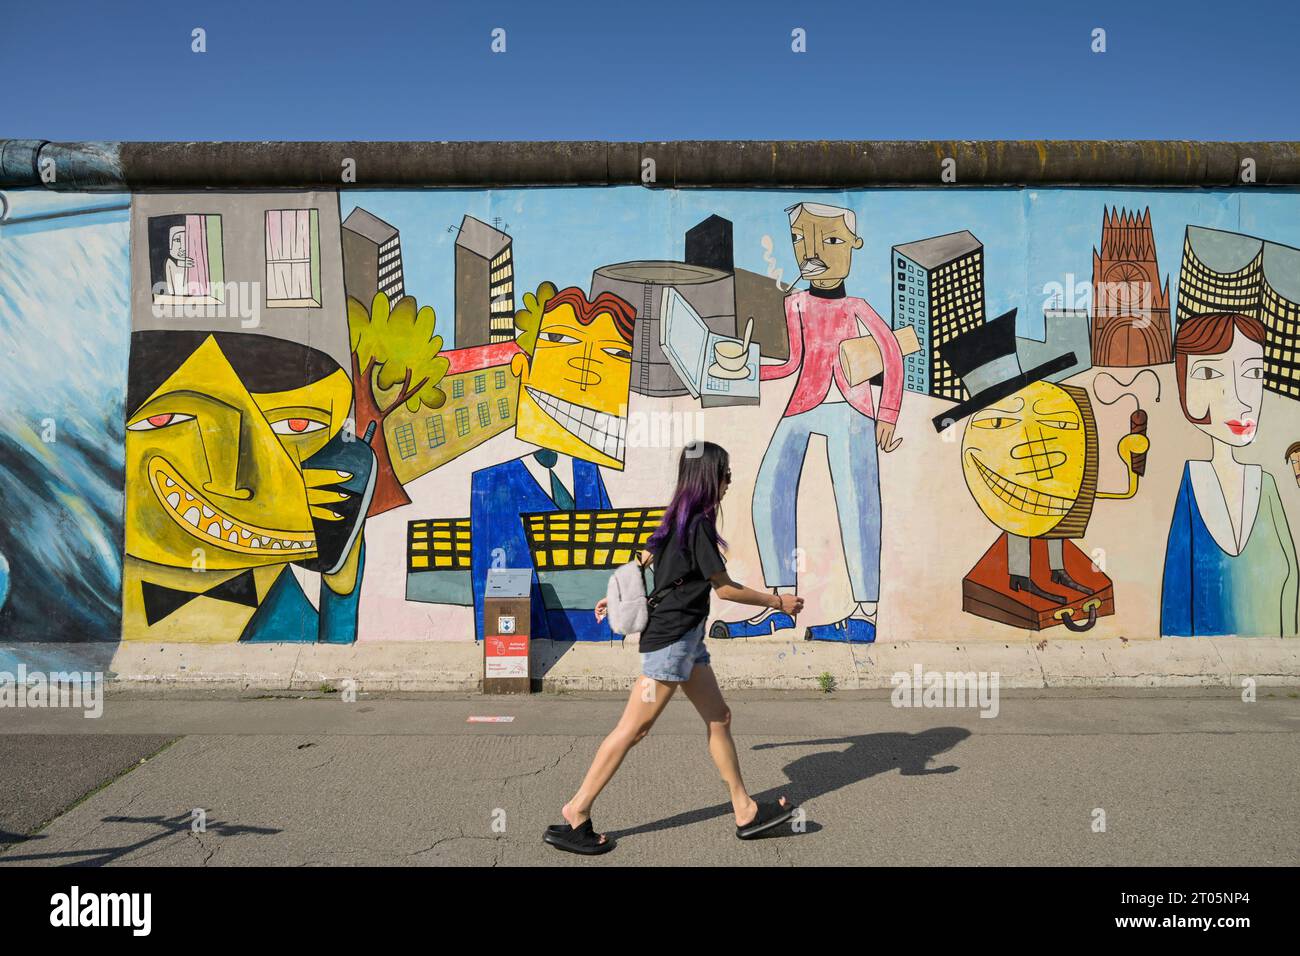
pixel 986 590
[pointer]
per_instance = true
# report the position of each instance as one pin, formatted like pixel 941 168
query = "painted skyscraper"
pixel 1230 272
pixel 939 291
pixel 372 257
pixel 485 285
pixel 1130 308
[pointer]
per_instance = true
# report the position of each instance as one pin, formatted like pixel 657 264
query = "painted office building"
pixel 372 257
pixel 938 289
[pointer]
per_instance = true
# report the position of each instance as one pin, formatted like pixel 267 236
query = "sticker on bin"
pixel 506 656
pixel 506 624
pixel 488 720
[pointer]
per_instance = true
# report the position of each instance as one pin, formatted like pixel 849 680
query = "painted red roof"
pixel 479 357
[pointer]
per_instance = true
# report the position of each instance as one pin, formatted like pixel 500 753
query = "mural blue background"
pixel 563 234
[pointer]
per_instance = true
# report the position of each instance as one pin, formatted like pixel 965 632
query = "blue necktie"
pixel 559 494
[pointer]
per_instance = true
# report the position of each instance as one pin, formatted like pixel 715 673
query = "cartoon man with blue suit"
pixel 574 371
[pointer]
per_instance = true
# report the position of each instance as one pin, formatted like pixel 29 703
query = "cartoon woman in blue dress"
pixel 1230 564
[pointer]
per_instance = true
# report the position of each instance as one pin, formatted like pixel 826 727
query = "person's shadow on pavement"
pixel 817 774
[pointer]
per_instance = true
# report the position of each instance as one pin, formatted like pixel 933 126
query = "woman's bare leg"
pixel 704 693
pixel 644 705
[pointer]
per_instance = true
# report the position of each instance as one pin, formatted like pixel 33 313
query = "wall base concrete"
pixel 765 663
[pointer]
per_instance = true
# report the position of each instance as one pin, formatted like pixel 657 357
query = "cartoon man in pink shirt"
pixel 823 403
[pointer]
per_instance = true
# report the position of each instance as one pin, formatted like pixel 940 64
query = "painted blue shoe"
pixel 769 625
pixel 851 630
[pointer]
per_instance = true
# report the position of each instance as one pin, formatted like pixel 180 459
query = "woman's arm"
pixel 729 590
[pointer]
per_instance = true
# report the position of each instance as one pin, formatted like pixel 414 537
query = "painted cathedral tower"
pixel 1130 307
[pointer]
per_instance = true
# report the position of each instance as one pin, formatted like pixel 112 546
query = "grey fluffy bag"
pixel 628 607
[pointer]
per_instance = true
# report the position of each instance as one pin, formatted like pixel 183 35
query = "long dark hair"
pixel 700 472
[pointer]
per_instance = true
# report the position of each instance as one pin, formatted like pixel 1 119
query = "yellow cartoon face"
pixel 1024 458
pixel 573 394
pixel 211 465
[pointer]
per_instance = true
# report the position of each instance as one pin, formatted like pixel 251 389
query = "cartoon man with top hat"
pixel 1030 458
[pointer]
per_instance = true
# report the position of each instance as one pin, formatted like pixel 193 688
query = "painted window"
pixel 292 258
pixel 484 416
pixel 462 422
pixel 480 384
pixel 433 425
pixel 503 406
pixel 405 435
pixel 458 388
pixel 185 260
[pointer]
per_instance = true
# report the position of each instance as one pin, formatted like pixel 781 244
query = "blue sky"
pixel 399 69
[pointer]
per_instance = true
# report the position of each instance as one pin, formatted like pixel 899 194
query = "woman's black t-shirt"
pixel 686 605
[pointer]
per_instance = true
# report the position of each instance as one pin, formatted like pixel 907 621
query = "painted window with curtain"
pixel 185 265
pixel 292 258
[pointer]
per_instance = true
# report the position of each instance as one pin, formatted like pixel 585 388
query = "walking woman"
pixel 688 563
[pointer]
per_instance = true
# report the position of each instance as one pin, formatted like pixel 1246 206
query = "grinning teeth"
pixel 1022 498
pixel 203 518
pixel 600 430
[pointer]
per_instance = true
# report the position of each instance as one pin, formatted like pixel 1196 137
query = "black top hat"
pixel 985 358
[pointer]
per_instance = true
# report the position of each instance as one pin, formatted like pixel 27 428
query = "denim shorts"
pixel 673 664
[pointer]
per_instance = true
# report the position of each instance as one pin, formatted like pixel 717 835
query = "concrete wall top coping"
pixel 823 164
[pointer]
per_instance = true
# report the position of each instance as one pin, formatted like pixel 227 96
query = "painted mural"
pixel 325 416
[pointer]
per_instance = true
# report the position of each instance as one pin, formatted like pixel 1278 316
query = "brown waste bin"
pixel 506 631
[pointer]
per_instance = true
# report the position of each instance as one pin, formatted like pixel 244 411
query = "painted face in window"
pixel 1228 388
pixel 1024 458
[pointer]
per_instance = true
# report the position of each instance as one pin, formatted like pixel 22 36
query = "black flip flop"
pixel 770 814
pixel 583 839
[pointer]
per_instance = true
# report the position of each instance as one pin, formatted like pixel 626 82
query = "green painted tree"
pixel 396 361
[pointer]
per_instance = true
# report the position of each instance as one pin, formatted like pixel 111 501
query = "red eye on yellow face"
pixel 296 426
pixel 154 422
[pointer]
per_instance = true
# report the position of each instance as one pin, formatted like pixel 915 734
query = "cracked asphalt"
pixel 1186 777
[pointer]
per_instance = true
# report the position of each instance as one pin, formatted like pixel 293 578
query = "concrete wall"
pixel 256 425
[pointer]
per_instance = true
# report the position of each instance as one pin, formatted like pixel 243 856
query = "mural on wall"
pixel 64 336
pixel 241 462
pixel 819 321
pixel 396 363
pixel 291 445
pixel 1229 272
pixel 1030 459
pixel 1130 325
pixel 1230 563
